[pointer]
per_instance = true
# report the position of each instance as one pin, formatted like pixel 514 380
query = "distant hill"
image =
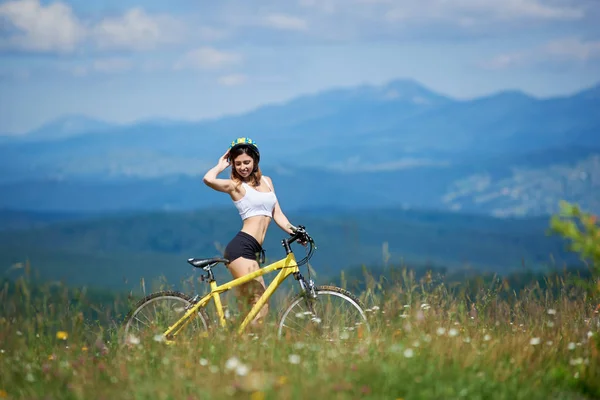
pixel 500 186
pixel 398 144
pixel 118 250
pixel 363 126
pixel 23 220
pixel 66 127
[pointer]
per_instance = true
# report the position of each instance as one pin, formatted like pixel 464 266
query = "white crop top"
pixel 256 203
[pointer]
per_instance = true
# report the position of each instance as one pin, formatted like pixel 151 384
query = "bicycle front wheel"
pixel 153 315
pixel 335 315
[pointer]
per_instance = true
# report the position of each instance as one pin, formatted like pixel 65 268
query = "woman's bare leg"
pixel 249 292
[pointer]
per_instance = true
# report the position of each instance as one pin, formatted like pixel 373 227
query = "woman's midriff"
pixel 257 227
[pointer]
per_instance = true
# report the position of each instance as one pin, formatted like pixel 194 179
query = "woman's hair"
pixel 256 174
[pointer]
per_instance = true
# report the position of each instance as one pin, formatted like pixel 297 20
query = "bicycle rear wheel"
pixel 335 315
pixel 153 314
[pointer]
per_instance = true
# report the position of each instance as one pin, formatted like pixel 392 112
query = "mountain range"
pixel 398 144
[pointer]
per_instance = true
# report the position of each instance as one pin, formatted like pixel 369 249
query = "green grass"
pixel 429 341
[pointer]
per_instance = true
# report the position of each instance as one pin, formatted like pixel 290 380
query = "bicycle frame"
pixel 287 265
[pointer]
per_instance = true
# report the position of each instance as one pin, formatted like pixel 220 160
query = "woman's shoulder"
pixel 236 184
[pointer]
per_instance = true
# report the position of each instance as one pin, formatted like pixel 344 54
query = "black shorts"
pixel 244 245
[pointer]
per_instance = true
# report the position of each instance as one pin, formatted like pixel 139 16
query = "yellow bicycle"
pixel 329 311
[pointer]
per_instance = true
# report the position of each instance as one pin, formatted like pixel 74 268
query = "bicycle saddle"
pixel 206 263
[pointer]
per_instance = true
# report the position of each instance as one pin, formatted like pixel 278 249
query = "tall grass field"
pixel 429 339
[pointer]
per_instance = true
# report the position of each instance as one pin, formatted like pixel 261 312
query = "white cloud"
pixel 572 49
pixel 285 22
pixel 136 30
pixel 472 12
pixel 503 61
pixel 56 28
pixel 112 65
pixel 564 51
pixel 232 80
pixel 207 58
pixel 109 65
pixel 51 28
pixel 207 33
pixel 324 6
pixel 77 70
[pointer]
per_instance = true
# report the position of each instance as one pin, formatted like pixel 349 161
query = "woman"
pixel 254 196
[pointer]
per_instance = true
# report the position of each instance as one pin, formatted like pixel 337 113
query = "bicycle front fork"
pixel 307 287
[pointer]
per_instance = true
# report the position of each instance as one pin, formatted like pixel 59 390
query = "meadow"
pixel 430 339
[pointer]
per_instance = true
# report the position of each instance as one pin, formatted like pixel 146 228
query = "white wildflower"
pixel 487 338
pixel 453 332
pixel 552 311
pixel 535 341
pixel 294 359
pixel 203 362
pixel 576 361
pixel 440 331
pixel 232 363
pixel 571 346
pixel 242 370
pixel 133 339
pixel 408 353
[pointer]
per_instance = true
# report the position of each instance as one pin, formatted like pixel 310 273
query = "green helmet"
pixel 247 143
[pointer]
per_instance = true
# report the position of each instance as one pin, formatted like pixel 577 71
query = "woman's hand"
pixel 224 162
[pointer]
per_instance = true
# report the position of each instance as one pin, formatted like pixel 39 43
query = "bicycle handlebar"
pixel 299 233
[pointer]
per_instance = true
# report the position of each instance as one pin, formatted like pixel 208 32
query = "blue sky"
pixel 126 60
